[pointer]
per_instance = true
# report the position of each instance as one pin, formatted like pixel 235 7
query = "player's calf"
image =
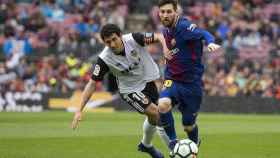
pixel 166 117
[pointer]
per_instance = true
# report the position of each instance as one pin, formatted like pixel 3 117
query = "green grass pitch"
pixel 115 135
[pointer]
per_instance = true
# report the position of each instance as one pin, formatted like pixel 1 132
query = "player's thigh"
pixel 189 107
pixel 151 92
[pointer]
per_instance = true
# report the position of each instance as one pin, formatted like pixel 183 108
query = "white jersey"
pixel 134 69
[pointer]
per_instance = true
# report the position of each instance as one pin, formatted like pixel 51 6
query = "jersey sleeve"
pixel 143 38
pixel 196 34
pixel 99 70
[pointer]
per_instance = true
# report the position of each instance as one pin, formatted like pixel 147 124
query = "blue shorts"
pixel 188 96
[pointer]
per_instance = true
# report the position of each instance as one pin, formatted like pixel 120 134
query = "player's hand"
pixel 167 54
pixel 77 118
pixel 213 47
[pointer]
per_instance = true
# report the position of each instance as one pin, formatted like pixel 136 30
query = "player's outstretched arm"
pixel 198 33
pixel 89 89
pixel 144 39
pixel 166 52
pixel 212 47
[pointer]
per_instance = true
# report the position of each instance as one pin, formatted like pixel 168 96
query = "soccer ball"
pixel 184 149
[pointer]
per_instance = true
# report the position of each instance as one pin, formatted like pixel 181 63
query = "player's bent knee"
pixel 153 118
pixel 164 105
pixel 189 128
pixel 152 111
pixel 152 108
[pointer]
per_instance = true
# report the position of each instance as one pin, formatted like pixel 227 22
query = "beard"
pixel 117 51
pixel 168 22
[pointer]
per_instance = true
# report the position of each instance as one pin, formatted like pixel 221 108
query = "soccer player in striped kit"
pixel 184 69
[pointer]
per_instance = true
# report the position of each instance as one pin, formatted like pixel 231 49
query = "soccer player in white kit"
pixel 126 58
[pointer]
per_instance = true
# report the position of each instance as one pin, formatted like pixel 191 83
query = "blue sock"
pixel 167 122
pixel 193 135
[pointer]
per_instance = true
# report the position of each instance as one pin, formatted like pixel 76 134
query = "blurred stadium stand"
pixel 49 46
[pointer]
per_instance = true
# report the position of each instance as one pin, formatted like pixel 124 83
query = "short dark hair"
pixel 109 29
pixel 164 2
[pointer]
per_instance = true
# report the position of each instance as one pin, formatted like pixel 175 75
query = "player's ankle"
pixel 172 144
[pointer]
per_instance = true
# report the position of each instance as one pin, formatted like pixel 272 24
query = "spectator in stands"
pixel 249 31
pixel 15 47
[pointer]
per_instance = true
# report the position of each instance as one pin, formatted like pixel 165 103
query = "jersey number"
pixel 96 70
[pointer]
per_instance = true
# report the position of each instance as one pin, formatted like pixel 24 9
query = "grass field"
pixel 115 135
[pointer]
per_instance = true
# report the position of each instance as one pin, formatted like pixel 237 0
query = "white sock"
pixel 162 134
pixel 148 133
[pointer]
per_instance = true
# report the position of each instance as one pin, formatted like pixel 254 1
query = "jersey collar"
pixel 176 21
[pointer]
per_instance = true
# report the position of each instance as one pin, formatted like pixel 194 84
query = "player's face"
pixel 114 42
pixel 167 15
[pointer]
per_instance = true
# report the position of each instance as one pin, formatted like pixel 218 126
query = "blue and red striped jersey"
pixel 187 51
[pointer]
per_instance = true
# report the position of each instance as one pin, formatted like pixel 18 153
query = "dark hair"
pixel 9 31
pixel 164 2
pixel 109 29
